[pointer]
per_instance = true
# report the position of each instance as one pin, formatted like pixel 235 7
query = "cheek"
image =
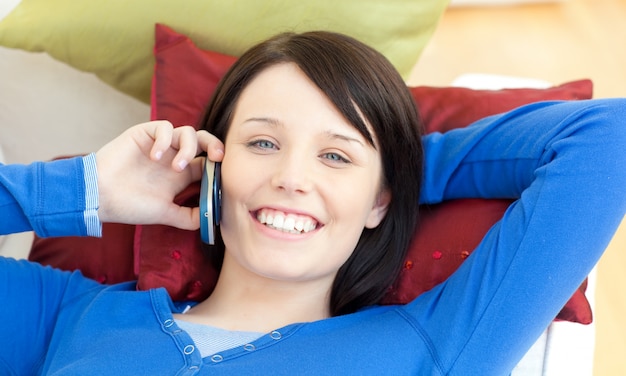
pixel 357 192
pixel 232 217
pixel 233 185
pixel 350 204
pixel 241 181
pixel 236 175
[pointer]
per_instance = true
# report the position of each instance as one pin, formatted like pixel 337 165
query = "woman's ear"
pixel 379 210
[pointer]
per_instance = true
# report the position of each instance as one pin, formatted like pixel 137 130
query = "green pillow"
pixel 114 38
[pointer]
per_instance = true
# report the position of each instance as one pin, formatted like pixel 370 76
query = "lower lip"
pixel 281 235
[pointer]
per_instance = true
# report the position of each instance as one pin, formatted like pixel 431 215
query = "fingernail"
pixel 158 155
pixel 182 164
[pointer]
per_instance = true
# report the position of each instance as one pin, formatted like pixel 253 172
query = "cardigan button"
pixel 217 358
pixel 188 349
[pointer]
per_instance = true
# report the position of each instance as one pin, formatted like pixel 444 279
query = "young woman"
pixel 322 170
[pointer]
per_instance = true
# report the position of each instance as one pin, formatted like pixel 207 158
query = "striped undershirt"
pixel 210 340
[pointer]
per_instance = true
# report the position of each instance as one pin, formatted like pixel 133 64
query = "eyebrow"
pixel 343 137
pixel 270 121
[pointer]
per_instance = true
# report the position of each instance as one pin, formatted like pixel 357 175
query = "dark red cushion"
pixel 108 259
pixel 447 108
pixel 448 234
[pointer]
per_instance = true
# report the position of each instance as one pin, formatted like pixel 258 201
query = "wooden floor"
pixel 558 42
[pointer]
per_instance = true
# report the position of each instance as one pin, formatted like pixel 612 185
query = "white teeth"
pixel 308 226
pixel 288 223
pixel 299 225
pixel 278 221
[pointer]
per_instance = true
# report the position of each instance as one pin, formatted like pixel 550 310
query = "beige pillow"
pixel 114 38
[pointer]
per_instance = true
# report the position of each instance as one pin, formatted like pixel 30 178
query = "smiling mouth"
pixel 290 223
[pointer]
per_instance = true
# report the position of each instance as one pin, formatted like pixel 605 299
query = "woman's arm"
pixel 566 162
pixel 48 198
pixel 133 179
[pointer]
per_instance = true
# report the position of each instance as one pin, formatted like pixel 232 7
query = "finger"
pixel 196 168
pixel 185 140
pixel 212 145
pixel 161 132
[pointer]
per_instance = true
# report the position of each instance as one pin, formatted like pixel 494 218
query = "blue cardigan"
pixel 566 162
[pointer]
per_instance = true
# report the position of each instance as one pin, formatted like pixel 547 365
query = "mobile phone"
pixel 210 201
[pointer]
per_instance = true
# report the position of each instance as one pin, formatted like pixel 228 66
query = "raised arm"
pixel 133 179
pixel 566 162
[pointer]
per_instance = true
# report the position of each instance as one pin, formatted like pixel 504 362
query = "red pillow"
pixel 434 254
pixel 108 259
pixel 443 109
pixel 182 96
pixel 185 78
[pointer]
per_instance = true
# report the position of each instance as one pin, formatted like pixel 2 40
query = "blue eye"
pixel 334 157
pixel 262 144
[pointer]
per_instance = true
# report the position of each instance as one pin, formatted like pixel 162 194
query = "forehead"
pixel 283 91
pixel 283 83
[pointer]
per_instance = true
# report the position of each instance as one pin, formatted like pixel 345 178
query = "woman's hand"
pixel 142 170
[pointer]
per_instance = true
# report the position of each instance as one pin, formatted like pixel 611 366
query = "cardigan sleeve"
pixel 565 163
pixel 49 198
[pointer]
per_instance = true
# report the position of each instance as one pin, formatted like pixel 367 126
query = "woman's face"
pixel 299 182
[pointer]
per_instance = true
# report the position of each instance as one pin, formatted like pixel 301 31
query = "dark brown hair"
pixel 355 78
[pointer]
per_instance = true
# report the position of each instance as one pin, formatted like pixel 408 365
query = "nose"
pixel 293 173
